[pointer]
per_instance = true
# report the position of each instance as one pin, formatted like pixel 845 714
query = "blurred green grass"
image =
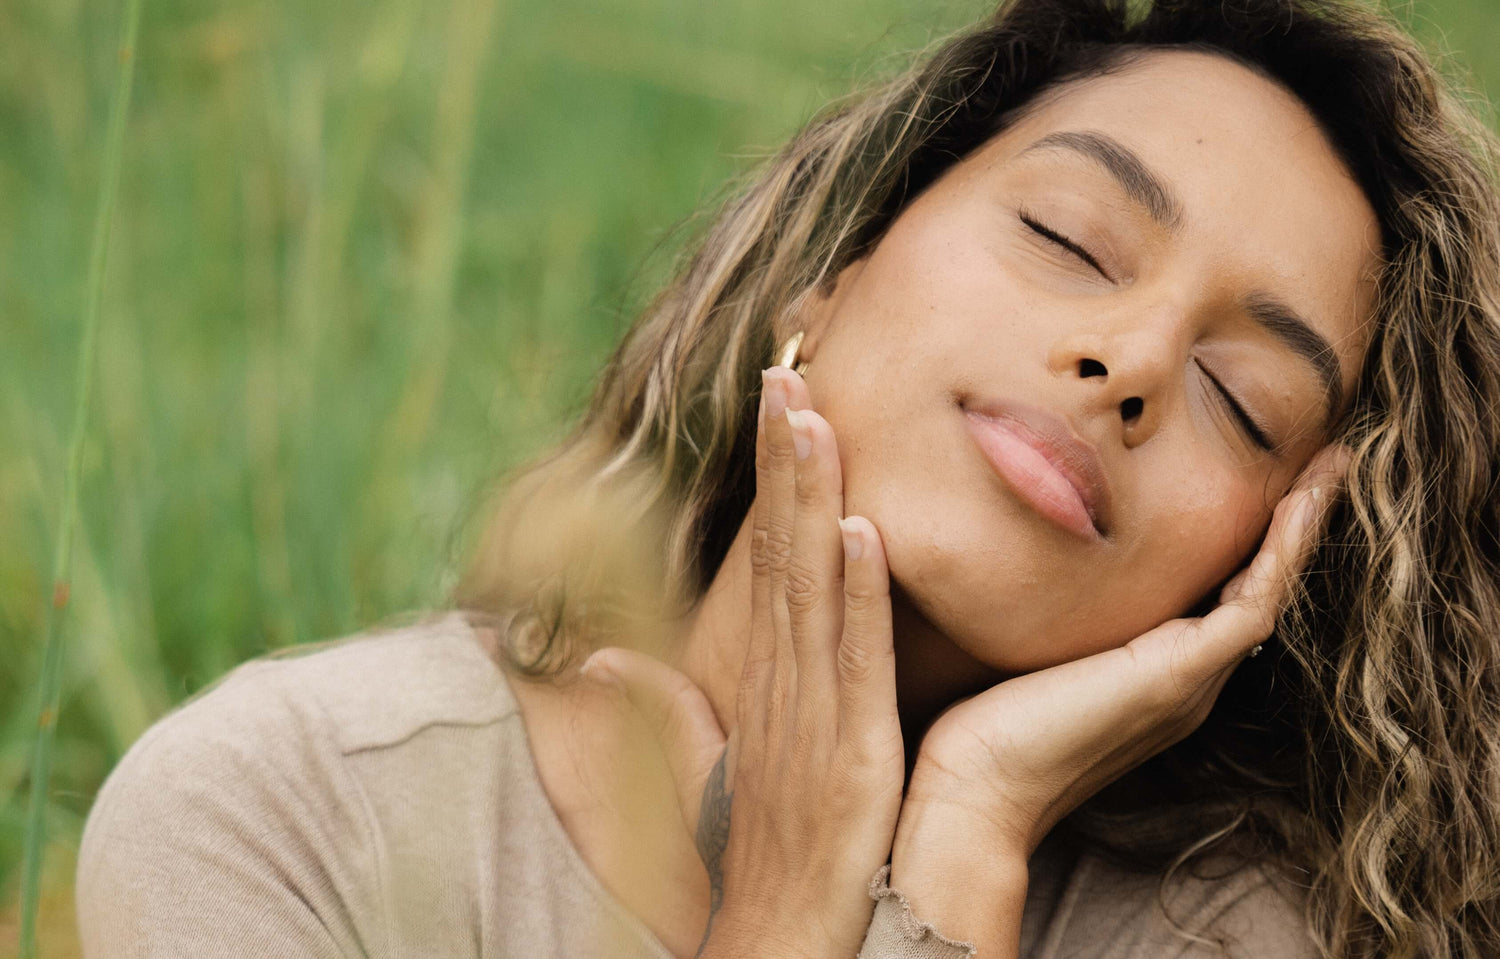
pixel 366 256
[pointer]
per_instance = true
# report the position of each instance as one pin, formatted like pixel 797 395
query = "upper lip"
pixel 1055 439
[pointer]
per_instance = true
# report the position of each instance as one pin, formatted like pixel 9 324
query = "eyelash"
pixel 1048 233
pixel 1253 429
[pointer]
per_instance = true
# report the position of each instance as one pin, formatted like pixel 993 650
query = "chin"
pixel 997 605
pixel 1008 634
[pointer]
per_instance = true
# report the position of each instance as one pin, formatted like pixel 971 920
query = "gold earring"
pixel 789 354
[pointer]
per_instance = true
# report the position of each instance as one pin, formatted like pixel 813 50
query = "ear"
pixel 816 318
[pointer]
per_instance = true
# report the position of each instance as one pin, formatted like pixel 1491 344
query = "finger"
pixel 1327 469
pixel 769 661
pixel 866 657
pixel 779 495
pixel 815 571
pixel 1326 472
pixel 760 652
pixel 762 646
pixel 675 710
pixel 1255 600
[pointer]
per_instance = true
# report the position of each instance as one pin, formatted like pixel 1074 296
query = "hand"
pixel 811 777
pixel 1008 764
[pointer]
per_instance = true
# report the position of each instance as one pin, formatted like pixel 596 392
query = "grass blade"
pixel 51 679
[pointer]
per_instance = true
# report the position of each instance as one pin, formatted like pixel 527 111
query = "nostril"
pixel 1131 408
pixel 1088 368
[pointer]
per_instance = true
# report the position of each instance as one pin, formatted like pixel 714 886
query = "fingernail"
pixel 1307 513
pixel 774 392
pixel 595 671
pixel 801 434
pixel 854 544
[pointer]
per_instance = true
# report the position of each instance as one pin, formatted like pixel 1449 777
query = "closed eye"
pixel 1251 428
pixel 1048 233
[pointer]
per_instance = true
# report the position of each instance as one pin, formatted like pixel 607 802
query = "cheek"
pixel 1205 546
pixel 1202 533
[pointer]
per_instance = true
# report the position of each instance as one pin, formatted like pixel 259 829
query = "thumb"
pixel 676 710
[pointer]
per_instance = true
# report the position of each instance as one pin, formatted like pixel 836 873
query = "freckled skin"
pixel 961 299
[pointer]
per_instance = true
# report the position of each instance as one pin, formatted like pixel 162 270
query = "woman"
pixel 1097 315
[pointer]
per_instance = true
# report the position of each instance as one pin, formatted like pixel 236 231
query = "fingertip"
pixel 1331 468
pixel 859 530
pixel 813 419
pixel 1345 461
pixel 773 391
pixel 816 432
pixel 1304 520
pixel 601 667
pixel 760 431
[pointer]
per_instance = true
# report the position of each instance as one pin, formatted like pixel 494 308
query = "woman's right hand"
pixel 799 812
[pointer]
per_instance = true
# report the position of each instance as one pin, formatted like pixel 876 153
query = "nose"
pixel 1126 376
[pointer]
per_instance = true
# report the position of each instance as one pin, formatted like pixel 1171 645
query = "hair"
pixel 1362 754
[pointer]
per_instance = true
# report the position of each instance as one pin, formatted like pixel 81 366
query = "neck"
pixel 931 672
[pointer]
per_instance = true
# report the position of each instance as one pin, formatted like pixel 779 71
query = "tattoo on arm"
pixel 713 836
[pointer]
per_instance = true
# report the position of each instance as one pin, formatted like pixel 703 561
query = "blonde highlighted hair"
pixel 1362 753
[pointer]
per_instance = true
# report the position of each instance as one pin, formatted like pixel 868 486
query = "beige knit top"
pixel 376 796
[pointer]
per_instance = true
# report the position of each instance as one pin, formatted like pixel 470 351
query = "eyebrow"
pixel 1137 180
pixel 1151 192
pixel 1284 323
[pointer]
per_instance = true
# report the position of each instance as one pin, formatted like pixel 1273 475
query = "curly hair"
pixel 1363 754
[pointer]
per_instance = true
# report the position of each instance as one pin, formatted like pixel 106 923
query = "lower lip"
pixel 1032 477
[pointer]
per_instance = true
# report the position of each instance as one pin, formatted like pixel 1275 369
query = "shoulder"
pixel 359 692
pixel 1217 908
pixel 246 799
pixel 311 704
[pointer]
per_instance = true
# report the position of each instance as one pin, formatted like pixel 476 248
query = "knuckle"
pixel 862 602
pixel 1258 612
pixel 778 453
pixel 856 663
pixel 809 491
pixel 804 591
pixel 778 543
pixel 760 555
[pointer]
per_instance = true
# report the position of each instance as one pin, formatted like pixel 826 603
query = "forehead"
pixel 1265 199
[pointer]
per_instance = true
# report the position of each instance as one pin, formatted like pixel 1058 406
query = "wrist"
pixel 962 874
pixel 740 930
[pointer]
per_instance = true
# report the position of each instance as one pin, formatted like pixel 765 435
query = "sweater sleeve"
pixel 896 933
pixel 215 836
pixel 1106 913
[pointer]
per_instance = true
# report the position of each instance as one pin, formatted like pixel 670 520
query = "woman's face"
pixel 1220 244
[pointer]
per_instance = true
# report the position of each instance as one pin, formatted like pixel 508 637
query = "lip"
pixel 1046 463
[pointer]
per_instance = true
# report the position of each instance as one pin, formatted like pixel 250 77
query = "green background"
pixel 366 256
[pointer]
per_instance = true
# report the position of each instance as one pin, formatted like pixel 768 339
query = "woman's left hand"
pixel 997 771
